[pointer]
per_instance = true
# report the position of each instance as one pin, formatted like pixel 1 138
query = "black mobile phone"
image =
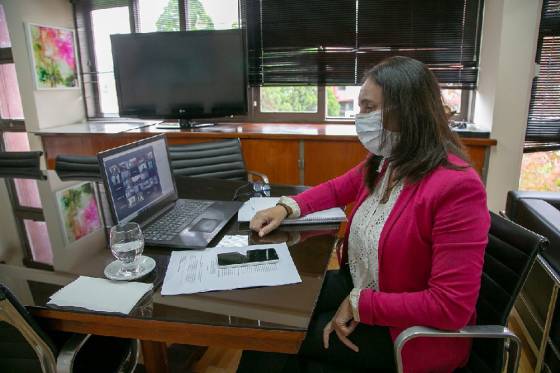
pixel 256 256
pixel 261 255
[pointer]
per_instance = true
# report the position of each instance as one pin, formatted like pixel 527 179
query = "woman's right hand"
pixel 268 220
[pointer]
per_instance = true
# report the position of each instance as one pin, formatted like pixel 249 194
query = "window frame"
pixel 21 213
pixel 466 110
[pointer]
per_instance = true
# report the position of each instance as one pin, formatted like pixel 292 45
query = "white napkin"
pixel 98 294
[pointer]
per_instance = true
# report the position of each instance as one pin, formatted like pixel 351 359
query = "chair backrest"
pixel 218 159
pixel 510 253
pixel 77 167
pixel 24 347
pixel 21 164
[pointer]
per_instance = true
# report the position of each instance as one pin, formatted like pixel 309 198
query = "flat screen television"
pixel 184 75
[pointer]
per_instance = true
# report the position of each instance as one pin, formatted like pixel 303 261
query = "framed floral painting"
pixel 78 210
pixel 53 57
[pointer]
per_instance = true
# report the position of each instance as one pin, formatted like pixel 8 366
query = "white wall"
pixel 68 256
pixel 509 39
pixel 46 108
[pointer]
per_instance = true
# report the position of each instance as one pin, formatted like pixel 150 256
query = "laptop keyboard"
pixel 174 221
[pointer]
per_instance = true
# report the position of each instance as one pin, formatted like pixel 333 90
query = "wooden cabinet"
pixel 325 160
pixel 278 159
pixel 289 154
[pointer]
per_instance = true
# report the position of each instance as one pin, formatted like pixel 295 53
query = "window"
pixel 540 168
pixel 10 101
pixel 332 44
pixel 4 35
pixel 158 15
pixel 288 99
pixel 543 124
pixel 24 193
pixel 540 171
pixel 213 14
pixel 297 48
pixel 342 101
pixel 97 20
pixel 104 23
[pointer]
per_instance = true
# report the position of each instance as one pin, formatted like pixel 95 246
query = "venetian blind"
pixel 543 125
pixel 317 42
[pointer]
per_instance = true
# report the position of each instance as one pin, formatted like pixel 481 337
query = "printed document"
pixel 196 271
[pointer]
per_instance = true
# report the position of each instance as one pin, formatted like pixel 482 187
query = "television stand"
pixel 189 123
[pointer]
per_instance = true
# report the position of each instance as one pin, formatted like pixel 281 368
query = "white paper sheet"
pixel 99 294
pixel 255 204
pixel 235 240
pixel 197 271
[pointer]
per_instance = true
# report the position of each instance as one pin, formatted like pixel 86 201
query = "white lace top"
pixel 365 231
pixel 363 240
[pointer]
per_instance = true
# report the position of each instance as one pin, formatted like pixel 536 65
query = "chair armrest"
pixel 68 352
pixel 263 177
pixel 471 331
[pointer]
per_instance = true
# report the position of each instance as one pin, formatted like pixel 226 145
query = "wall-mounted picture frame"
pixel 53 57
pixel 79 211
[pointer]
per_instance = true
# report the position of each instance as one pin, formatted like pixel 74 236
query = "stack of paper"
pixel 255 204
pixel 98 294
pixel 197 271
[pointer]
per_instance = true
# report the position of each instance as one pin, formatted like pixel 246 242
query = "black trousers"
pixel 376 347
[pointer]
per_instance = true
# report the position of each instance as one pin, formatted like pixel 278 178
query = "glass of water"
pixel 127 244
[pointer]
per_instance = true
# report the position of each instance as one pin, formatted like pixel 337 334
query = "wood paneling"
pixel 278 159
pixel 327 159
pixel 82 144
pixel 477 155
pixel 329 150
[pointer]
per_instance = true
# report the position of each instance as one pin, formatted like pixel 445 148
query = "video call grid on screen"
pixel 138 178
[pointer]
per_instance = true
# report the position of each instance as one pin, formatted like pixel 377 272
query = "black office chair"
pixel 510 253
pixel 217 159
pixel 25 347
pixel 77 167
pixel 21 165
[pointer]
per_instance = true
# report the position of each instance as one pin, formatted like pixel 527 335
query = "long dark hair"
pixel 412 98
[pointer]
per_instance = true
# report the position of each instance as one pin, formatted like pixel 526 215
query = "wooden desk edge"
pixel 172 332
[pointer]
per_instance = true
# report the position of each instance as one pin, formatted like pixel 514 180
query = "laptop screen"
pixel 137 177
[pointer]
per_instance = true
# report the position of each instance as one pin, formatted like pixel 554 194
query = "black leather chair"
pixel 25 165
pixel 510 253
pixel 539 212
pixel 25 347
pixel 77 167
pixel 217 159
pixel 538 306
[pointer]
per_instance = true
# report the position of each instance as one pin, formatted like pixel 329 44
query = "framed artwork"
pixel 53 57
pixel 79 211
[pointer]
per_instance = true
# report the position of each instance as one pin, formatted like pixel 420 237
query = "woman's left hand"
pixel 339 324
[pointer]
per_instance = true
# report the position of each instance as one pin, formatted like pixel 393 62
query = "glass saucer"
pixel 145 266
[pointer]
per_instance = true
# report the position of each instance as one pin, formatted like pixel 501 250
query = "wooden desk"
pixel 264 319
pixel 304 154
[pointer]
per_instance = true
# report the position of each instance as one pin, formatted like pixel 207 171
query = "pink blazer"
pixel 431 252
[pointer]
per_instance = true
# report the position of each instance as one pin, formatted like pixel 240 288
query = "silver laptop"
pixel 141 188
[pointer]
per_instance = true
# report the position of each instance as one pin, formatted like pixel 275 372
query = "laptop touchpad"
pixel 205 225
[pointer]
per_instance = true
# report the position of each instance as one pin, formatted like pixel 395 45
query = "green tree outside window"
pixel 198 18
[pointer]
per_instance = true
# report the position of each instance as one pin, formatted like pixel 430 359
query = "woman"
pixel 414 246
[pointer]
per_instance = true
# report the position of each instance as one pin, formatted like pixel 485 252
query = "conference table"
pixel 262 318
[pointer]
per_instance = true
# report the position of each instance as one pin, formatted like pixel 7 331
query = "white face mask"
pixel 369 127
